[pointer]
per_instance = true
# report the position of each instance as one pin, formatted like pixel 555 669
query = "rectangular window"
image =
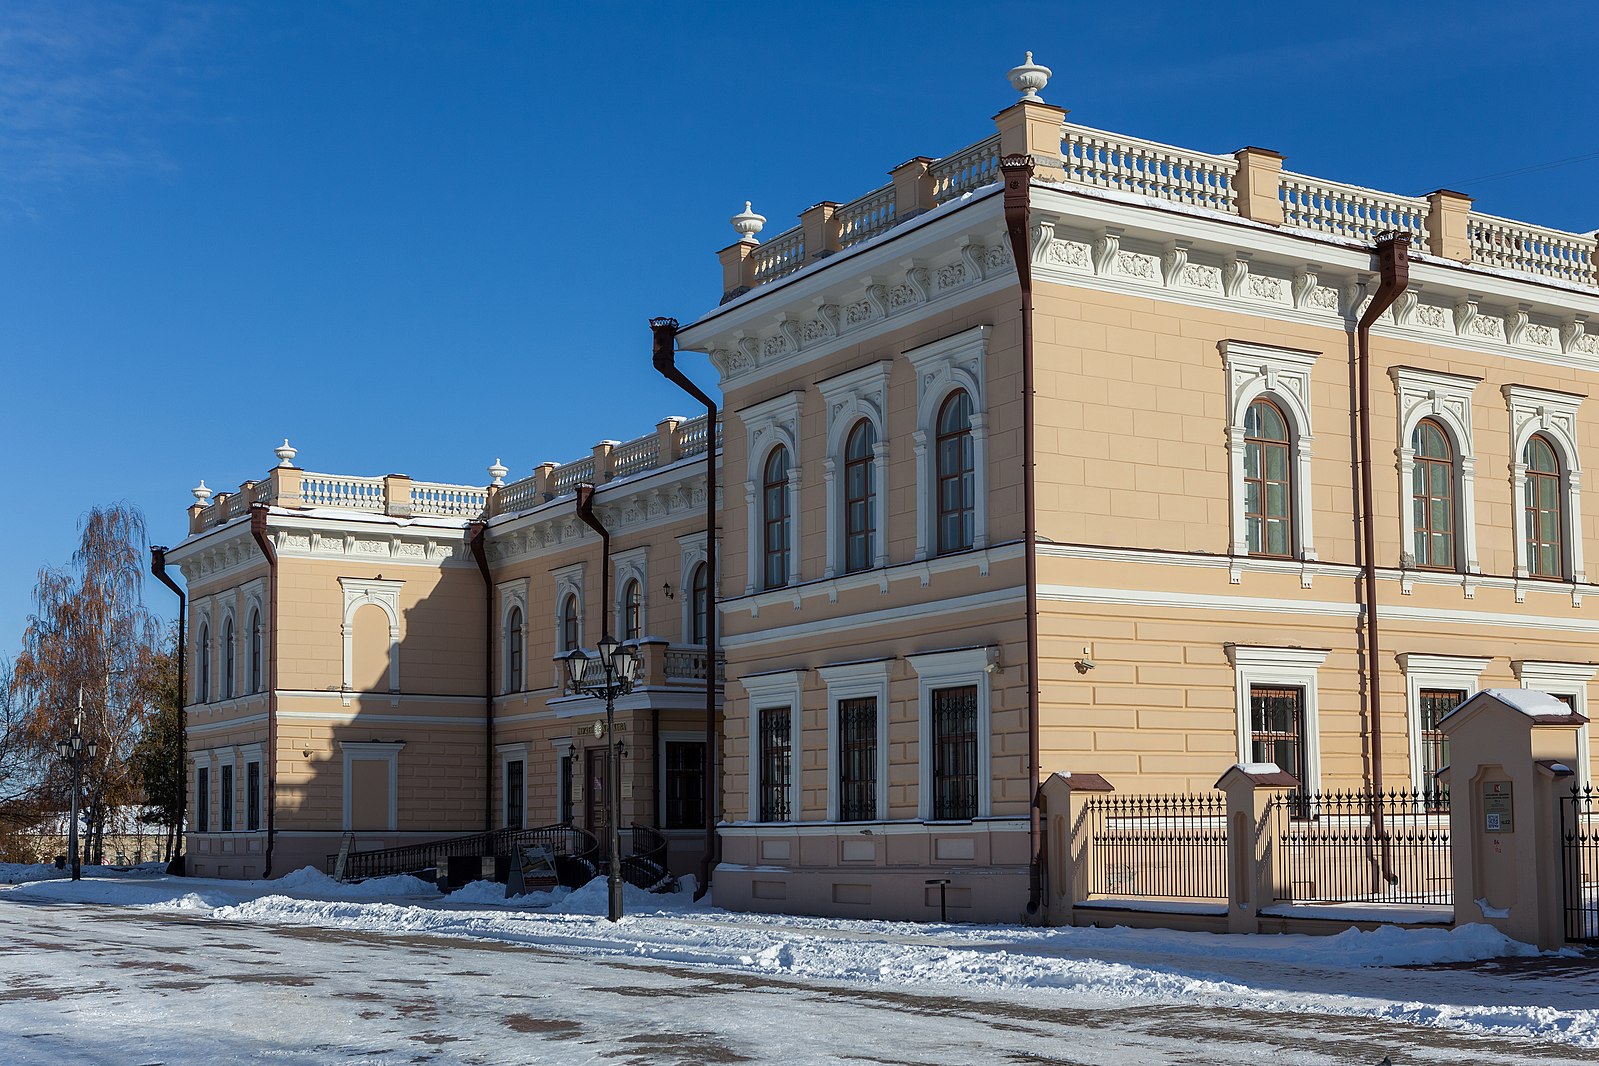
pixel 955 753
pixel 857 760
pixel 1435 703
pixel 227 798
pixel 515 774
pixel 202 800
pixel 684 804
pixel 1277 728
pixel 777 764
pixel 568 762
pixel 252 796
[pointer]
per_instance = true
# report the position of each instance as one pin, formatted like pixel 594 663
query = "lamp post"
pixel 76 754
pixel 606 676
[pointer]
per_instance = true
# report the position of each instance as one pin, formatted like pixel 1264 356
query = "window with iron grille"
pixel 1277 728
pixel 956 488
pixel 955 753
pixel 857 760
pixel 774 512
pixel 684 806
pixel 564 774
pixel 860 493
pixel 1435 703
pixel 515 773
pixel 202 799
pixel 777 764
pixel 252 796
pixel 227 798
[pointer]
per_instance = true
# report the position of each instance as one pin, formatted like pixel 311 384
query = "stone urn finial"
pixel 748 224
pixel 1029 78
pixel 285 453
pixel 498 472
pixel 201 493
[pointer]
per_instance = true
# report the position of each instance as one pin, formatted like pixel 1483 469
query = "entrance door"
pixel 594 798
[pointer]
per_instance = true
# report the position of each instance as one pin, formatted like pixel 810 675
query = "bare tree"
pixel 91 639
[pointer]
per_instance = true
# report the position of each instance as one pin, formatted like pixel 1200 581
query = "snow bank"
pixel 308 880
pixel 492 893
pixel 148 894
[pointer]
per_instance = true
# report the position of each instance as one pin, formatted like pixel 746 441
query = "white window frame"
pixel 954 669
pixel 510 753
pixel 204 632
pixel 1446 399
pixel 631 565
pixel 254 594
pixel 568 582
pixel 767 691
pixel 850 397
pixel 1296 667
pixel 251 753
pixel 226 757
pixel 1562 679
pixel 691 552
pixel 513 595
pixel 1255 371
pixel 770 423
pixel 849 681
pixel 358 592
pixel 1422 671
pixel 955 362
pixel 374 751
pixel 1554 414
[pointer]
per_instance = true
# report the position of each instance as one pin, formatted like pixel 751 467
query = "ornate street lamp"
pixel 76 754
pixel 606 676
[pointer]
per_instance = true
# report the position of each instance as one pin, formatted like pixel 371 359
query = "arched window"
pixel 1541 507
pixel 571 632
pixel 1432 494
pixel 700 601
pixel 774 514
pixel 1268 481
pixel 227 659
pixel 513 650
pixel 860 492
pixel 632 611
pixel 204 650
pixel 255 650
pixel 955 487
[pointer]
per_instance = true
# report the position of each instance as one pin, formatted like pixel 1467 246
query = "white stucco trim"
pixel 375 751
pixel 1446 399
pixel 1458 672
pixel 955 362
pixel 849 397
pixel 1563 679
pixel 770 423
pixel 953 669
pixel 510 753
pixel 1279 666
pixel 626 566
pixel 767 691
pixel 848 681
pixel 1553 414
pixel 358 592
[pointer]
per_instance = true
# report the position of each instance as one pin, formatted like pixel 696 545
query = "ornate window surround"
pixel 1446 399
pixel 630 565
pixel 1554 414
pixel 205 660
pixel 1281 374
pixel 1563 679
pixel 691 552
pixel 1434 671
pixel 850 397
pixel 568 582
pixel 253 593
pixel 358 592
pixel 375 751
pixel 1279 666
pixel 227 634
pixel 513 594
pixel 769 423
pixel 785 688
pixel 941 367
pixel 850 681
pixel 953 669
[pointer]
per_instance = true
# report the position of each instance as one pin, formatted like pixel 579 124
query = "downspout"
pixel 158 567
pixel 258 530
pixel 477 535
pixel 1393 261
pixel 665 358
pixel 1018 172
pixel 613 758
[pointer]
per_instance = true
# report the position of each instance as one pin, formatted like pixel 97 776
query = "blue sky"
pixel 405 234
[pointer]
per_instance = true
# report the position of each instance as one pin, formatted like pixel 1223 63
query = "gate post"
pixel 1511 753
pixel 1250 789
pixel 1067 840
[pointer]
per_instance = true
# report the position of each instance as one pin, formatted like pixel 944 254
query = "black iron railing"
pixel 564 841
pixel 1579 850
pixel 1361 846
pixel 1158 846
pixel 646 866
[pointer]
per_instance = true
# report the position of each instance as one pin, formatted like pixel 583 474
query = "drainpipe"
pixel 258 530
pixel 1393 260
pixel 477 535
pixel 613 759
pixel 665 358
pixel 158 567
pixel 1018 172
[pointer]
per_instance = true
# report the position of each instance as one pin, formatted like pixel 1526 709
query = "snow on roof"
pixel 1529 701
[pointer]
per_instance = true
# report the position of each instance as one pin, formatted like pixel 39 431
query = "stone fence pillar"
pixel 1063 799
pixel 1251 880
pixel 1511 754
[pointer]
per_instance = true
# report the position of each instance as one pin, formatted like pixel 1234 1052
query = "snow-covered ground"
pixel 1544 1008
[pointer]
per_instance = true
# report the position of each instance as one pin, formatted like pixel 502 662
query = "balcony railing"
pixel 1350 211
pixel 1128 164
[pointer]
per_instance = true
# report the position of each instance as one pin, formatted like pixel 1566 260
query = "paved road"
pixel 103 985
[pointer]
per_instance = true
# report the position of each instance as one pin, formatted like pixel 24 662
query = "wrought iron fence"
pixel 1361 846
pixel 1158 846
pixel 1579 850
